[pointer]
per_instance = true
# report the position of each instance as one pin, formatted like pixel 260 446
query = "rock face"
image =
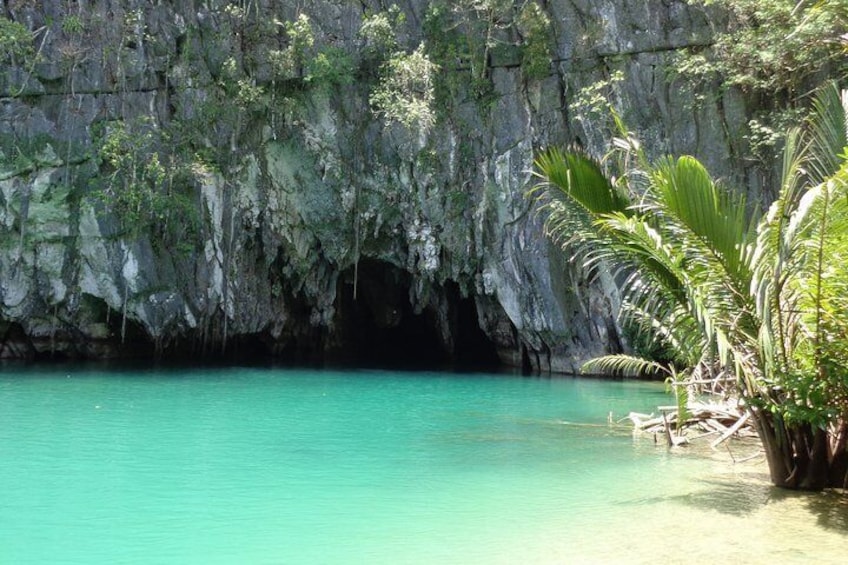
pixel 294 220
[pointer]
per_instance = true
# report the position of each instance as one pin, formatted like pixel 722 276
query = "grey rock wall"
pixel 302 195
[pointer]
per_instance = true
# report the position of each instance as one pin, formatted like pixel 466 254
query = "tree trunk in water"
pixel 839 460
pixel 801 456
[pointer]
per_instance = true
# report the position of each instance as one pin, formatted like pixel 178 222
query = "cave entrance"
pixel 472 348
pixel 380 328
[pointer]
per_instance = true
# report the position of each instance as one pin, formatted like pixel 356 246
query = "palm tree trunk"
pixel 839 455
pixel 797 453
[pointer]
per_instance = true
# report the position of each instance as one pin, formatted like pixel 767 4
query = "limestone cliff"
pixel 295 221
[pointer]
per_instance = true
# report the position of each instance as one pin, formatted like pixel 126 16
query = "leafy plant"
pixel 330 67
pixel 145 188
pixel 460 37
pixel 761 299
pixel 535 28
pixel 773 46
pixel 379 32
pixel 592 101
pixel 448 49
pixel 325 66
pixel 289 62
pixel 16 44
pixel 775 51
pixel 72 24
pixel 405 93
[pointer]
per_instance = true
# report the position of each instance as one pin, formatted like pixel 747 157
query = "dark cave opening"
pixel 378 326
pixel 472 348
pixel 14 343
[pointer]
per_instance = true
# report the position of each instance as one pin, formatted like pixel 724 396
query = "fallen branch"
pixel 731 430
pixel 704 418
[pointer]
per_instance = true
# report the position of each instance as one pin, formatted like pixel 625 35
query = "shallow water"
pixel 247 465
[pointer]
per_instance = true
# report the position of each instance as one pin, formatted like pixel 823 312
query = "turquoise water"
pixel 247 465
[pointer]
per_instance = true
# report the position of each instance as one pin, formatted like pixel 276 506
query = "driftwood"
pixel 731 430
pixel 704 419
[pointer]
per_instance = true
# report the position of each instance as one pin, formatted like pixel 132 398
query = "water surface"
pixel 247 465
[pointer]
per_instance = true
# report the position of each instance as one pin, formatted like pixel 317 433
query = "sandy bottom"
pixel 712 511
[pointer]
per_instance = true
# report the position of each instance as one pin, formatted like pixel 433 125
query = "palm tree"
pixel 680 239
pixel 762 299
pixel 800 286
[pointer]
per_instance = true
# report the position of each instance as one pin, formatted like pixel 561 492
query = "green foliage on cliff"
pixel 303 58
pixel 775 51
pixel 330 67
pixel 16 47
pixel 774 46
pixel 446 47
pixel 19 155
pixel 536 53
pixel 149 190
pixel 405 91
pixel 379 32
pixel 461 37
pixel 237 72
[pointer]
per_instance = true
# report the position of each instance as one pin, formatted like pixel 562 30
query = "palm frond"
pixel 670 326
pixel 632 239
pixel 686 192
pixel 820 276
pixel 773 257
pixel 799 262
pixel 624 366
pixel 581 179
pixel 828 132
pixel 766 299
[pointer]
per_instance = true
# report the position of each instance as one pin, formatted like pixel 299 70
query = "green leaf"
pixel 624 366
pixel 579 178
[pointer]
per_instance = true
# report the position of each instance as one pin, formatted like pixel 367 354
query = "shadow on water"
pixel 737 499
pixel 830 509
pixel 747 496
